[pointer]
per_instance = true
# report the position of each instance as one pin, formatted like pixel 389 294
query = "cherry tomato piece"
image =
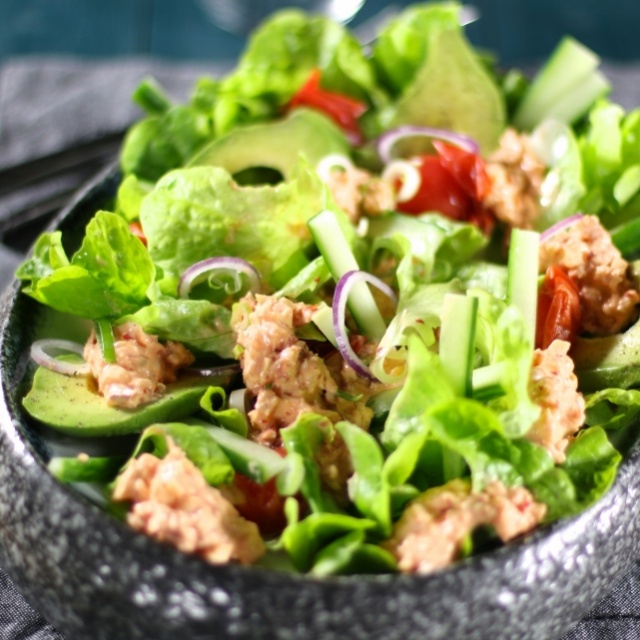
pixel 467 168
pixel 439 191
pixel 343 110
pixel 262 504
pixel 559 311
pixel 136 229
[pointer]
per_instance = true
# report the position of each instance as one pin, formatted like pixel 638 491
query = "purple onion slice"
pixel 340 297
pixel 389 139
pixel 40 354
pixel 565 223
pixel 212 265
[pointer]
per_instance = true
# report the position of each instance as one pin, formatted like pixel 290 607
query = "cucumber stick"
pixel 522 277
pixel 249 458
pixel 337 253
pixel 457 340
pixel 565 87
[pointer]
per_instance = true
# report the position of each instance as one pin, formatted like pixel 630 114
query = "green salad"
pixel 353 309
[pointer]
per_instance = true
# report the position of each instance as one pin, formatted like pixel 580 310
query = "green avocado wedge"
pixel 612 361
pixel 275 145
pixel 71 406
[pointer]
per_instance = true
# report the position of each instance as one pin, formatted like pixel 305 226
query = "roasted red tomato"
pixel 136 229
pixel 439 191
pixel 558 308
pixel 468 169
pixel 343 110
pixel 262 504
pixel 453 182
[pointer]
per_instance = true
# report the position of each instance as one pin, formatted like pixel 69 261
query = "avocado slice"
pixel 452 90
pixel 275 145
pixel 612 361
pixel 71 406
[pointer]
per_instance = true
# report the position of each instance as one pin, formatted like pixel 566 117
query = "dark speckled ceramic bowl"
pixel 94 578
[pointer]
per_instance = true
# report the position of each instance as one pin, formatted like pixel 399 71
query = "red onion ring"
pixel 222 263
pixel 565 223
pixel 40 356
pixel 340 297
pixel 387 140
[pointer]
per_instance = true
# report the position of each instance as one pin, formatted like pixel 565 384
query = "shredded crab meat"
pixel 608 298
pixel 172 503
pixel 143 366
pixel 358 193
pixel 554 387
pixel 516 176
pixel 431 531
pixel 282 373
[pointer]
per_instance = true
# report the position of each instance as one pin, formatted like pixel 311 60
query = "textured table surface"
pixel 51 105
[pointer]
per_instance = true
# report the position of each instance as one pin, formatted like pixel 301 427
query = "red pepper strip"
pixel 343 110
pixel 559 311
pixel 136 229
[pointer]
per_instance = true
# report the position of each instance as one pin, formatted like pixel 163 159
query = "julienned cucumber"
pixel 249 458
pixel 522 277
pixel 337 253
pixel 564 89
pixel 457 340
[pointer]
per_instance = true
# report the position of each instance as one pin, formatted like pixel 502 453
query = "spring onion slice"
pixel 408 175
pixel 210 266
pixel 387 141
pixel 40 354
pixel 333 161
pixel 341 295
pixel 106 340
pixel 559 226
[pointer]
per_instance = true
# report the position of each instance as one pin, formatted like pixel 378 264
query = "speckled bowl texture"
pixel 94 578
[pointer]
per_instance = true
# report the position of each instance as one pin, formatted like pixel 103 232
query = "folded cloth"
pixel 48 105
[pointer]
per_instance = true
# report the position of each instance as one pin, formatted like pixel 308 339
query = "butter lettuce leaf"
pixel 107 277
pixel 200 212
pixel 278 59
pixel 200 325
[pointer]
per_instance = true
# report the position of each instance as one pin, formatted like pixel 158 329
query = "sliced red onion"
pixel 330 162
pixel 388 140
pixel 223 263
pixel 39 353
pixel 340 297
pixel 559 226
pixel 408 175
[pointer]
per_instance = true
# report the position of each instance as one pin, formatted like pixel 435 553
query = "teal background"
pixel 519 31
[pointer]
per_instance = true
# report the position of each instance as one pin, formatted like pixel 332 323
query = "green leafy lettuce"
pixel 107 277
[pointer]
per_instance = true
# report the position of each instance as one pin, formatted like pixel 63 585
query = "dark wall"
pixel 519 31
